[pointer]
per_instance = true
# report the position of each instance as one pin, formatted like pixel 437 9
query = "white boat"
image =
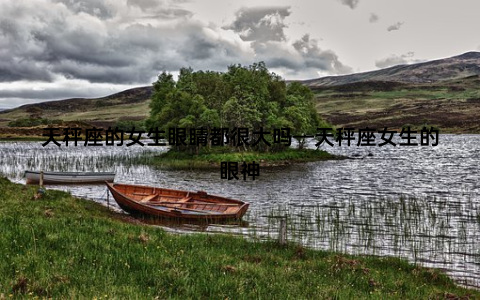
pixel 69 177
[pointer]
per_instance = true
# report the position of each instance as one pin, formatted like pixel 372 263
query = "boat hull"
pixel 69 177
pixel 212 209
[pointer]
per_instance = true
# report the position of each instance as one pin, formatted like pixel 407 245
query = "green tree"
pixel 161 89
pixel 300 112
pixel 243 97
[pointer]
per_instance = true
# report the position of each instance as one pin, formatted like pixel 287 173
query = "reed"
pixel 423 230
pixel 432 231
pixel 63 247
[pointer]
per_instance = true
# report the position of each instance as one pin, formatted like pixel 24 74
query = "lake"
pixel 420 203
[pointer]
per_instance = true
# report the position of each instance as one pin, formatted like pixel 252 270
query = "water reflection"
pixel 351 205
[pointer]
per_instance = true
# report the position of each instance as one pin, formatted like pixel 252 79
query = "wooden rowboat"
pixel 181 205
pixel 69 177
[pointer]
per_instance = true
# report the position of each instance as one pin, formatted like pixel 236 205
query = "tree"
pixel 161 89
pixel 300 112
pixel 243 97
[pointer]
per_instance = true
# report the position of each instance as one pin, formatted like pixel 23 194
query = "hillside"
pixel 435 71
pixel 443 93
pixel 131 104
pixel 453 106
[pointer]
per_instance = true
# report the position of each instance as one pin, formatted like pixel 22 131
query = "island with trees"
pixel 244 114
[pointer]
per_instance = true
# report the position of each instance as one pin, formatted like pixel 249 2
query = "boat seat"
pixel 185 199
pixel 231 210
pixel 141 194
pixel 148 198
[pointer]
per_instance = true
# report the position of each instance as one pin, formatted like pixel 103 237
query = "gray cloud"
pixel 51 93
pixel 72 48
pixel 314 57
pixel 144 4
pixel 163 9
pixel 351 3
pixel 303 56
pixel 171 13
pixel 24 93
pixel 261 24
pixel 373 18
pixel 265 27
pixel 395 26
pixel 98 8
pixel 394 60
pixel 72 39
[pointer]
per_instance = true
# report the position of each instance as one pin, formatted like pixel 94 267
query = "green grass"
pixel 63 247
pixel 215 156
pixel 423 94
pixel 110 113
pixel 451 106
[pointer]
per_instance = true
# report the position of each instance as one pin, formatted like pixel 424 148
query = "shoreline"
pixel 179 160
pixel 62 246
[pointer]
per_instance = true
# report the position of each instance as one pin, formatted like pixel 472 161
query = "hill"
pixel 131 104
pixel 442 93
pixel 435 71
pixel 453 106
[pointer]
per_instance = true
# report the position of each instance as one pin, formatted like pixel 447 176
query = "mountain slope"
pixel 452 105
pixel 131 96
pixel 444 93
pixel 131 104
pixel 456 67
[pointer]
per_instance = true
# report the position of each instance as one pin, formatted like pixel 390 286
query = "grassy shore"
pixel 63 247
pixel 213 159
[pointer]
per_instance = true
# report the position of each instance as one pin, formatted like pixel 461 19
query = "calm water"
pixel 416 202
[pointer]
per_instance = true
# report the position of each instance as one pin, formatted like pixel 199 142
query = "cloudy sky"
pixel 56 49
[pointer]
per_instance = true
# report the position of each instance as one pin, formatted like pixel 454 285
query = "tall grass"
pixel 17 157
pixel 62 247
pixel 435 232
pixel 429 231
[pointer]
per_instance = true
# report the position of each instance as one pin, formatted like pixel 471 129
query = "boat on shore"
pixel 176 204
pixel 69 177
